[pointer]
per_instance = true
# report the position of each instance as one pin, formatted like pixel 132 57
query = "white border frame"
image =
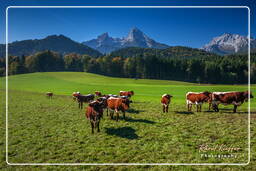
pixel 123 164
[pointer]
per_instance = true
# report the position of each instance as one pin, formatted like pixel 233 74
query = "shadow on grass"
pixel 123 132
pixel 128 119
pixel 134 111
pixel 184 112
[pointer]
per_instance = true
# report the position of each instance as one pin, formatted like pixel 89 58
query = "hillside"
pixel 57 43
pixel 64 83
pixel 171 52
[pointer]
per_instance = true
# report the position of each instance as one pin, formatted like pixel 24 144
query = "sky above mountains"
pixel 185 27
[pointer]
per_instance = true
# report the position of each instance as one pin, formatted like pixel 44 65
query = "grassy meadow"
pixel 43 130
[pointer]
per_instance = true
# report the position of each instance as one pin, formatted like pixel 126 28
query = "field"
pixel 43 130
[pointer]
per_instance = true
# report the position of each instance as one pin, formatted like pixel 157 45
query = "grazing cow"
pixel 228 98
pixel 49 94
pixel 98 93
pixel 198 99
pixel 165 100
pixel 84 99
pixel 75 94
pixel 93 113
pixel 118 104
pixel 126 93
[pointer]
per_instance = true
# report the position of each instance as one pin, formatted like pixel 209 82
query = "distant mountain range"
pixel 229 44
pixel 136 38
pixel 57 43
pixel 104 44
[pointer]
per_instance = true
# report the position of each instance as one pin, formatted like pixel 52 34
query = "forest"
pixel 138 63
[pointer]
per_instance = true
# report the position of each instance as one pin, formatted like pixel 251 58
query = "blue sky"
pixel 185 27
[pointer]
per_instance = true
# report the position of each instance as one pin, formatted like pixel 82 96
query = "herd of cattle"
pixel 121 103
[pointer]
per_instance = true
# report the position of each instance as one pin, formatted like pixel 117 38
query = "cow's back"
pixel 114 103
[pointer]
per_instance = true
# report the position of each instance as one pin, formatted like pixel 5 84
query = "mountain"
pixel 229 44
pixel 136 38
pixel 57 43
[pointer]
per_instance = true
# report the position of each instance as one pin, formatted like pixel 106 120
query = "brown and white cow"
pixel 198 99
pixel 49 94
pixel 94 112
pixel 229 98
pixel 84 99
pixel 126 93
pixel 117 105
pixel 165 101
pixel 75 94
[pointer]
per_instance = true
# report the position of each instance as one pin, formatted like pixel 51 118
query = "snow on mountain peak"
pixel 228 44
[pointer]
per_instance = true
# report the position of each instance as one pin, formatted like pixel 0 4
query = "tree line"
pixel 232 69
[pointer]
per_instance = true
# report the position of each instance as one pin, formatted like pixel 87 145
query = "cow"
pixel 229 98
pixel 84 99
pixel 126 93
pixel 98 93
pixel 75 94
pixel 198 99
pixel 118 104
pixel 165 101
pixel 49 94
pixel 94 112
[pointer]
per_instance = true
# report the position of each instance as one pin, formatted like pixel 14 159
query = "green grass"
pixel 56 131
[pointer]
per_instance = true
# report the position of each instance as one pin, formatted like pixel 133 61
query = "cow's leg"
pixel 163 108
pixel 167 108
pixel 92 125
pixel 111 113
pixel 98 125
pixel 124 114
pixel 210 105
pixel 235 107
pixel 215 107
pixel 197 107
pixel 117 115
pixel 188 107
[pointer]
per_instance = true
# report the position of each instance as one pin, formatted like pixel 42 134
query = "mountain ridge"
pixel 57 43
pixel 135 38
pixel 228 43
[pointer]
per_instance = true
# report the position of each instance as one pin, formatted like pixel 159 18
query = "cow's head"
pixel 96 105
pixel 75 94
pixel 132 93
pixel 247 94
pixel 208 95
pixel 103 101
pixel 168 96
pixel 126 103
